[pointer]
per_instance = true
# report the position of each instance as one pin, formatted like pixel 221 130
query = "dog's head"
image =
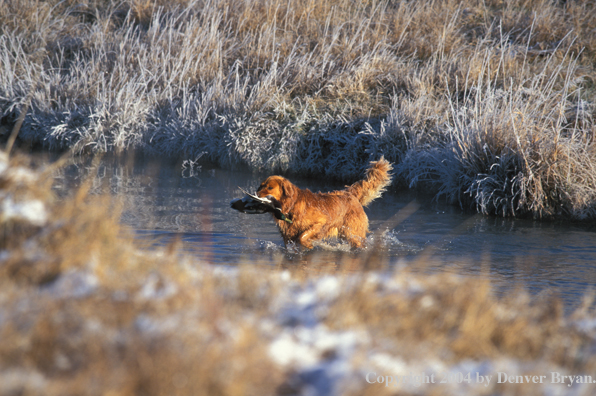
pixel 279 188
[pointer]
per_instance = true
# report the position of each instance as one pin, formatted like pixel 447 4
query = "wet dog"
pixel 309 216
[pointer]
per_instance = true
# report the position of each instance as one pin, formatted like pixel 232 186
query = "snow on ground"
pixel 332 362
pixel 32 211
pixel 17 207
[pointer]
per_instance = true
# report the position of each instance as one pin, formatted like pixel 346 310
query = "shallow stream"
pixel 164 202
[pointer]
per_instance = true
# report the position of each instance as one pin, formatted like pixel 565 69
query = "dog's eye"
pixel 269 188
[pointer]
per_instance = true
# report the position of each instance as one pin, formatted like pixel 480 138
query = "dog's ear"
pixel 287 188
pixel 289 194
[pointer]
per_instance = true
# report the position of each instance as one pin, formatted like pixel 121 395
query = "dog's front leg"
pixel 312 234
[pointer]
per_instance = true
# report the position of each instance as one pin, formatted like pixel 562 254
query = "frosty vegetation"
pixel 488 104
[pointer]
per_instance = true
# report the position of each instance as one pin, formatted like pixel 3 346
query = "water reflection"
pixel 164 202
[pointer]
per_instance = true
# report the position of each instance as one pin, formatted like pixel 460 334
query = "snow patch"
pixel 73 284
pixel 286 350
pixel 156 287
pixel 16 382
pixel 328 287
pixel 32 211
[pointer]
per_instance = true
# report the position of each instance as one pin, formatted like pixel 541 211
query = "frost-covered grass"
pixel 488 103
pixel 85 310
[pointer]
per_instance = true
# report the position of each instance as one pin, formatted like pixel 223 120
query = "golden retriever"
pixel 309 216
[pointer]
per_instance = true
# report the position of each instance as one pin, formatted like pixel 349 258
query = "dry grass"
pixel 489 103
pixel 83 310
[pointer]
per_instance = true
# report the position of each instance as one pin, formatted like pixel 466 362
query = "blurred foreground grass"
pixel 85 311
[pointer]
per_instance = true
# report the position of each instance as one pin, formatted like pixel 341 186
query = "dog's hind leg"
pixel 355 227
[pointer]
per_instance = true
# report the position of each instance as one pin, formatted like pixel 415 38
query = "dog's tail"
pixel 375 182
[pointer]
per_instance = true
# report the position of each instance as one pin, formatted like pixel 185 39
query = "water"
pixel 164 202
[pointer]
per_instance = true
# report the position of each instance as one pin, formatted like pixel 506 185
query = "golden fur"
pixel 319 215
